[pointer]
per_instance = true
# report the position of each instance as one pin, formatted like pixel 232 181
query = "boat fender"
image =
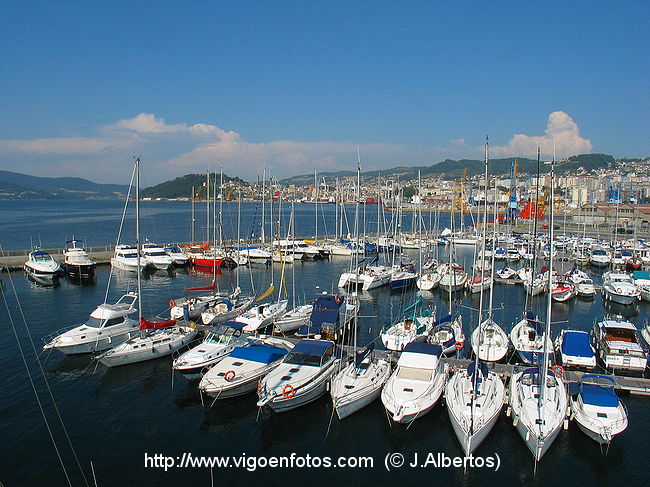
pixel 229 376
pixel 508 411
pixel 288 391
pixel 172 303
pixel 515 421
pixel 566 425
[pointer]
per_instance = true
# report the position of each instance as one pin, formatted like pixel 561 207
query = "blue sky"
pixel 295 86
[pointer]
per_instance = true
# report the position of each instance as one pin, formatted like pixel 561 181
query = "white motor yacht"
pixel 108 326
pixel 416 384
pixel 302 377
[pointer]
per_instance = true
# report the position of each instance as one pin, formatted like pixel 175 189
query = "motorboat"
pixel 125 258
pixel 528 339
pixel 177 255
pixel 369 277
pixel 575 349
pixel 255 255
pixel 359 383
pixel 417 383
pixel 507 273
pixel 474 398
pixel 41 264
pixel 600 257
pixel 619 288
pixel 261 315
pixel 642 281
pixel 156 256
pixel 562 292
pixel 481 281
pixel 240 372
pixel 597 410
pixel 108 325
pixel 76 261
pixel 217 344
pixel 302 377
pixel 618 346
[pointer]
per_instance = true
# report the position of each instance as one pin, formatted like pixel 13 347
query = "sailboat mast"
pixel 356 239
pixel 221 209
pixel 193 193
pixel 137 234
pixel 263 198
pixel 483 242
pixel 207 206
pixel 549 301
pixel 316 208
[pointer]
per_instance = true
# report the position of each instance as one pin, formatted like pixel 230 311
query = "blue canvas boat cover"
pixel 313 347
pixel 422 347
pixel 264 354
pixel 597 395
pixel 641 275
pixel 577 344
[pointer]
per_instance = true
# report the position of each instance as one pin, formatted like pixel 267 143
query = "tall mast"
pixel 192 214
pixel 221 209
pixel 549 301
pixel 483 242
pixel 207 206
pixel 316 207
pixel 263 198
pixel 137 235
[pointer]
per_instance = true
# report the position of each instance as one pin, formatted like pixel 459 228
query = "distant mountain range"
pixel 14 185
pixel 450 169
pixel 22 186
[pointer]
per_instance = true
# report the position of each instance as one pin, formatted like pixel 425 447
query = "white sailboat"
pixel 156 339
pixel 475 396
pixel 538 398
pixel 359 382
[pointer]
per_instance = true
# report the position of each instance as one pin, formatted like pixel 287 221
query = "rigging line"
pixel 31 381
pixel 119 234
pixel 47 384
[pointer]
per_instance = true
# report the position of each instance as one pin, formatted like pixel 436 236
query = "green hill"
pixel 181 187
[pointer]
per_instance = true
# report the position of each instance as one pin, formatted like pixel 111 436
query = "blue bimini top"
pixel 264 354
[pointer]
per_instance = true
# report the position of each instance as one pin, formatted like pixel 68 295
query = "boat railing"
pixel 50 338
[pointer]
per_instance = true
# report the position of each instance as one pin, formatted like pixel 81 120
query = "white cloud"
pixel 61 145
pixel 561 130
pixel 174 149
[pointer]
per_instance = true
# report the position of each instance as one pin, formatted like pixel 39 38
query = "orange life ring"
pixel 229 376
pixel 240 312
pixel 172 303
pixel 459 345
pixel 558 370
pixel 288 391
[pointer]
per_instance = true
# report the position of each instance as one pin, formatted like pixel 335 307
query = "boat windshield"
pixel 413 373
pixel 297 358
pixel 156 254
pixel 130 256
pixel 218 339
pixel 94 322
pixel 42 258
pixel 174 250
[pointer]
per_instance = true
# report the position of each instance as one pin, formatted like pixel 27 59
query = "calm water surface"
pixel 115 416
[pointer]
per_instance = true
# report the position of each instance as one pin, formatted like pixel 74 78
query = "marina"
pixel 169 399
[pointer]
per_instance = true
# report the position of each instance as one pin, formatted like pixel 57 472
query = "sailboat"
pixel 156 339
pixel 538 398
pixel 489 341
pixel 360 381
pixel 475 396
